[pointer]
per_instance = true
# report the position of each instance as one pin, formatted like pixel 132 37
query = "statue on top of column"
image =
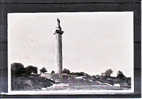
pixel 59 26
pixel 59 29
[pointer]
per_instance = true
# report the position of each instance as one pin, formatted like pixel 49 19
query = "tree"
pixel 67 71
pixel 120 75
pixel 52 72
pixel 43 70
pixel 108 72
pixel 30 69
pixel 17 69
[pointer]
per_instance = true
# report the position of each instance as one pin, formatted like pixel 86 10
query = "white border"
pixel 70 92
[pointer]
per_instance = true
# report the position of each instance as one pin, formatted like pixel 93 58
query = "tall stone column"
pixel 59 52
pixel 58 34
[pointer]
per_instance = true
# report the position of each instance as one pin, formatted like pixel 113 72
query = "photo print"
pixel 71 53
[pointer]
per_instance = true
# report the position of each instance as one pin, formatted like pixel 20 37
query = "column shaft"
pixel 59 52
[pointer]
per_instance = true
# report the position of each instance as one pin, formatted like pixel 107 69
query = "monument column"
pixel 58 34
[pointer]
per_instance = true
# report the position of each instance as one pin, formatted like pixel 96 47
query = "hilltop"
pixel 28 79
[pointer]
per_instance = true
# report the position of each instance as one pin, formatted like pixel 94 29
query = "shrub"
pixel 108 72
pixel 120 75
pixel 67 71
pixel 43 70
pixel 17 69
pixel 30 69
pixel 52 72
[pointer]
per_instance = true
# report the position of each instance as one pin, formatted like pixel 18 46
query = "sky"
pixel 92 41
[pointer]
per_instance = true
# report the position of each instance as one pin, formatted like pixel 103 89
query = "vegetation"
pixel 108 72
pixel 17 69
pixel 67 71
pixel 26 78
pixel 23 78
pixel 120 75
pixel 43 70
pixel 52 72
pixel 30 69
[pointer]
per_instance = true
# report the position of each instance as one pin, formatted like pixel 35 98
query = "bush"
pixel 30 69
pixel 52 72
pixel 43 70
pixel 67 71
pixel 108 72
pixel 79 73
pixel 17 69
pixel 120 75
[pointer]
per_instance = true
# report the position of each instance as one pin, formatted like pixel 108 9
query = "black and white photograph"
pixel 71 53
